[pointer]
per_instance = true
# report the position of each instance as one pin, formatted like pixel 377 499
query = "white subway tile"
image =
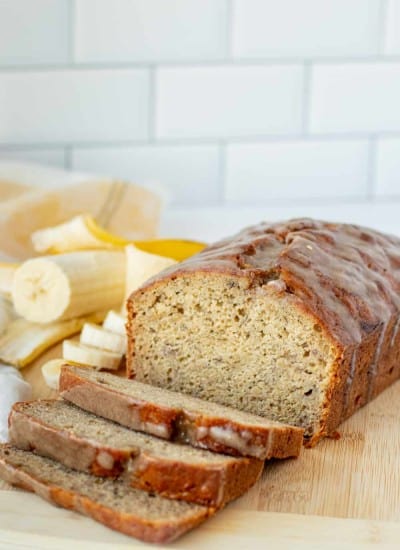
pixel 392 35
pixel 355 97
pixel 263 28
pixel 33 32
pixel 388 167
pixel 228 101
pixel 189 174
pixel 51 157
pixel 74 105
pixel 296 170
pixel 154 30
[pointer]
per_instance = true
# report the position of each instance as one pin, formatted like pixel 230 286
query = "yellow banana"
pixel 67 286
pixel 83 233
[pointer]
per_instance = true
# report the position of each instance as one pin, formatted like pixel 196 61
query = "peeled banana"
pixel 24 341
pixel 76 352
pixel 83 233
pixel 55 288
pixel 98 337
pixel 115 322
pixel 141 265
pixel 51 372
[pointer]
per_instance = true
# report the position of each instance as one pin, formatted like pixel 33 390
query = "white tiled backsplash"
pixel 233 102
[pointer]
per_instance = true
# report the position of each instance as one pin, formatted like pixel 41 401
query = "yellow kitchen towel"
pixel 33 197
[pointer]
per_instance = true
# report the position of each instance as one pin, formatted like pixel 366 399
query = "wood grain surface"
pixel 354 477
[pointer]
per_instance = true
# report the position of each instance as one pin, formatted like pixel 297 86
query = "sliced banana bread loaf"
pixel 142 515
pixel 295 321
pixel 175 416
pixel 80 440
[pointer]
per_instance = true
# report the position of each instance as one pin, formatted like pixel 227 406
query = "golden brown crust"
pixel 280 442
pixel 209 484
pixel 347 278
pixel 133 413
pixel 274 441
pixel 32 434
pixel 214 486
pixel 129 524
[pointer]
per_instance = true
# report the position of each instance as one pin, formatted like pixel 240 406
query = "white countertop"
pixel 211 223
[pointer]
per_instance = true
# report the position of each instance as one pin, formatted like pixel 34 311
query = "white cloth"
pixel 12 389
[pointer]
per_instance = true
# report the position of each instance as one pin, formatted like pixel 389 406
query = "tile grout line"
pixel 372 166
pixel 306 98
pixel 68 157
pixel 222 173
pixel 262 62
pixel 151 105
pixel 71 31
pixel 383 15
pixel 194 141
pixel 229 30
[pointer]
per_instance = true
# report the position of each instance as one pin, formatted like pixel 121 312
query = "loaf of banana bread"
pixel 296 321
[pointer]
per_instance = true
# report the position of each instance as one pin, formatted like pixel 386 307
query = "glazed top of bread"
pixel 347 277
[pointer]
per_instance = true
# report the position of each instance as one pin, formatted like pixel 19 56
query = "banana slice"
pixel 23 341
pixel 55 288
pixel 83 233
pixel 51 372
pixel 77 352
pixel 140 266
pixel 7 271
pixel 114 322
pixel 98 337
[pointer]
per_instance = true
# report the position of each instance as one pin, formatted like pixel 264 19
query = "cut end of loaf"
pixel 249 347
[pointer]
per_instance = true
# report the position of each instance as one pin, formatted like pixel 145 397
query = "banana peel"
pixel 23 341
pixel 83 233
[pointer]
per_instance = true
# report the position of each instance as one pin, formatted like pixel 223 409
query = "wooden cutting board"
pixel 343 493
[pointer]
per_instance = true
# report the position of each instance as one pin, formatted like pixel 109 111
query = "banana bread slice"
pixel 85 442
pixel 174 416
pixel 145 516
pixel 296 321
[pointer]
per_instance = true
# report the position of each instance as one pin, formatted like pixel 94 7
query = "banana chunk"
pixel 141 265
pixel 115 322
pixel 51 372
pixel 77 352
pixel 98 337
pixel 55 288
